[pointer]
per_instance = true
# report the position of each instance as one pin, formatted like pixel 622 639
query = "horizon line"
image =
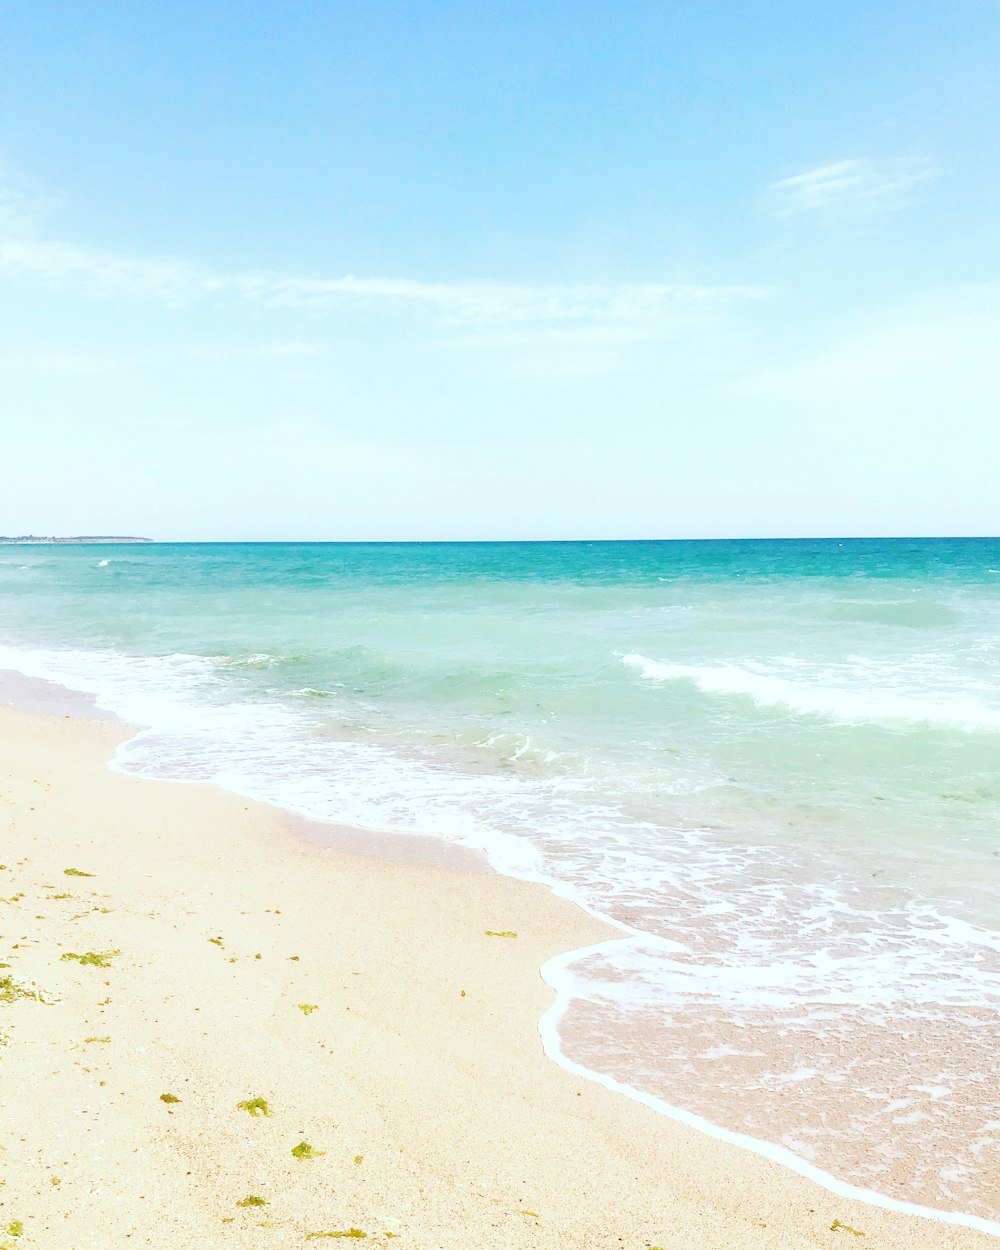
pixel 96 540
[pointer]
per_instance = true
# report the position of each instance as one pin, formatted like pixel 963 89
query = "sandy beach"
pixel 173 951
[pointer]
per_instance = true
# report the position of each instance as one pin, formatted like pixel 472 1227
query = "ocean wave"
pixel 905 613
pixel 852 706
pixel 259 659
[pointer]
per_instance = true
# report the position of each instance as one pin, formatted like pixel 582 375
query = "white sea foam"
pixel 807 694
pixel 793 935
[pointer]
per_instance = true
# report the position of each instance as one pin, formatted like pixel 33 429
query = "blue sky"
pixel 462 270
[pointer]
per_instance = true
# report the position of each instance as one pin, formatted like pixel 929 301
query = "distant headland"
pixel 76 538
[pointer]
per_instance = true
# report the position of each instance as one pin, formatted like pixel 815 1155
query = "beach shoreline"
pixel 422 1059
pixel 732 754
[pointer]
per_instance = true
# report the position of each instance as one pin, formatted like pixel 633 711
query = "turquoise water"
pixel 773 764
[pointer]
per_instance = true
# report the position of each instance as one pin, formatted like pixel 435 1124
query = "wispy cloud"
pixel 499 303
pixel 165 279
pixel 23 204
pixel 291 351
pixel 179 282
pixel 850 188
pixel 56 362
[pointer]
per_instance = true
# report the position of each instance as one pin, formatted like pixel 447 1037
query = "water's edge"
pixel 40 696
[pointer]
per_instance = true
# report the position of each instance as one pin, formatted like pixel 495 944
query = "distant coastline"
pixel 35 539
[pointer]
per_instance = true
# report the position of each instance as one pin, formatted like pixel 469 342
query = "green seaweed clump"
pixel 76 872
pixel 254 1106
pixel 846 1227
pixel 96 1039
pixel 217 941
pixel 14 1229
pixel 304 1151
pixel 169 1098
pixel 500 933
pixel 533 1214
pixel 358 1158
pixel 95 958
pixel 252 1200
pixel 344 1232
pixel 308 1008
pixel 10 991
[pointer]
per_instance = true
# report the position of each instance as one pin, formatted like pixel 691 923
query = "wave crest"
pixel 814 697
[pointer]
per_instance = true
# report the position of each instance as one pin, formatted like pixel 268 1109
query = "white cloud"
pixel 283 349
pixel 289 349
pixel 60 362
pixel 850 188
pixel 22 204
pixel 495 303
pixel 170 280
pixel 179 282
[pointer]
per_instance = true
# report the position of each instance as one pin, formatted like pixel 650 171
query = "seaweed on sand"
pixel 254 1106
pixel 846 1227
pixel 97 959
pixel 345 1232
pixel 10 990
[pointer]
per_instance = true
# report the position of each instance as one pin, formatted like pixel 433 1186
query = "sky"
pixel 484 270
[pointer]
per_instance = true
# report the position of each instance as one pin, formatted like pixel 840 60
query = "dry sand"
pixel 419 1074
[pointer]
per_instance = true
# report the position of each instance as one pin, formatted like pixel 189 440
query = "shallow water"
pixel 773 763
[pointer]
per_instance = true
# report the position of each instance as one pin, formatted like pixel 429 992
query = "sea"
pixel 772 766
